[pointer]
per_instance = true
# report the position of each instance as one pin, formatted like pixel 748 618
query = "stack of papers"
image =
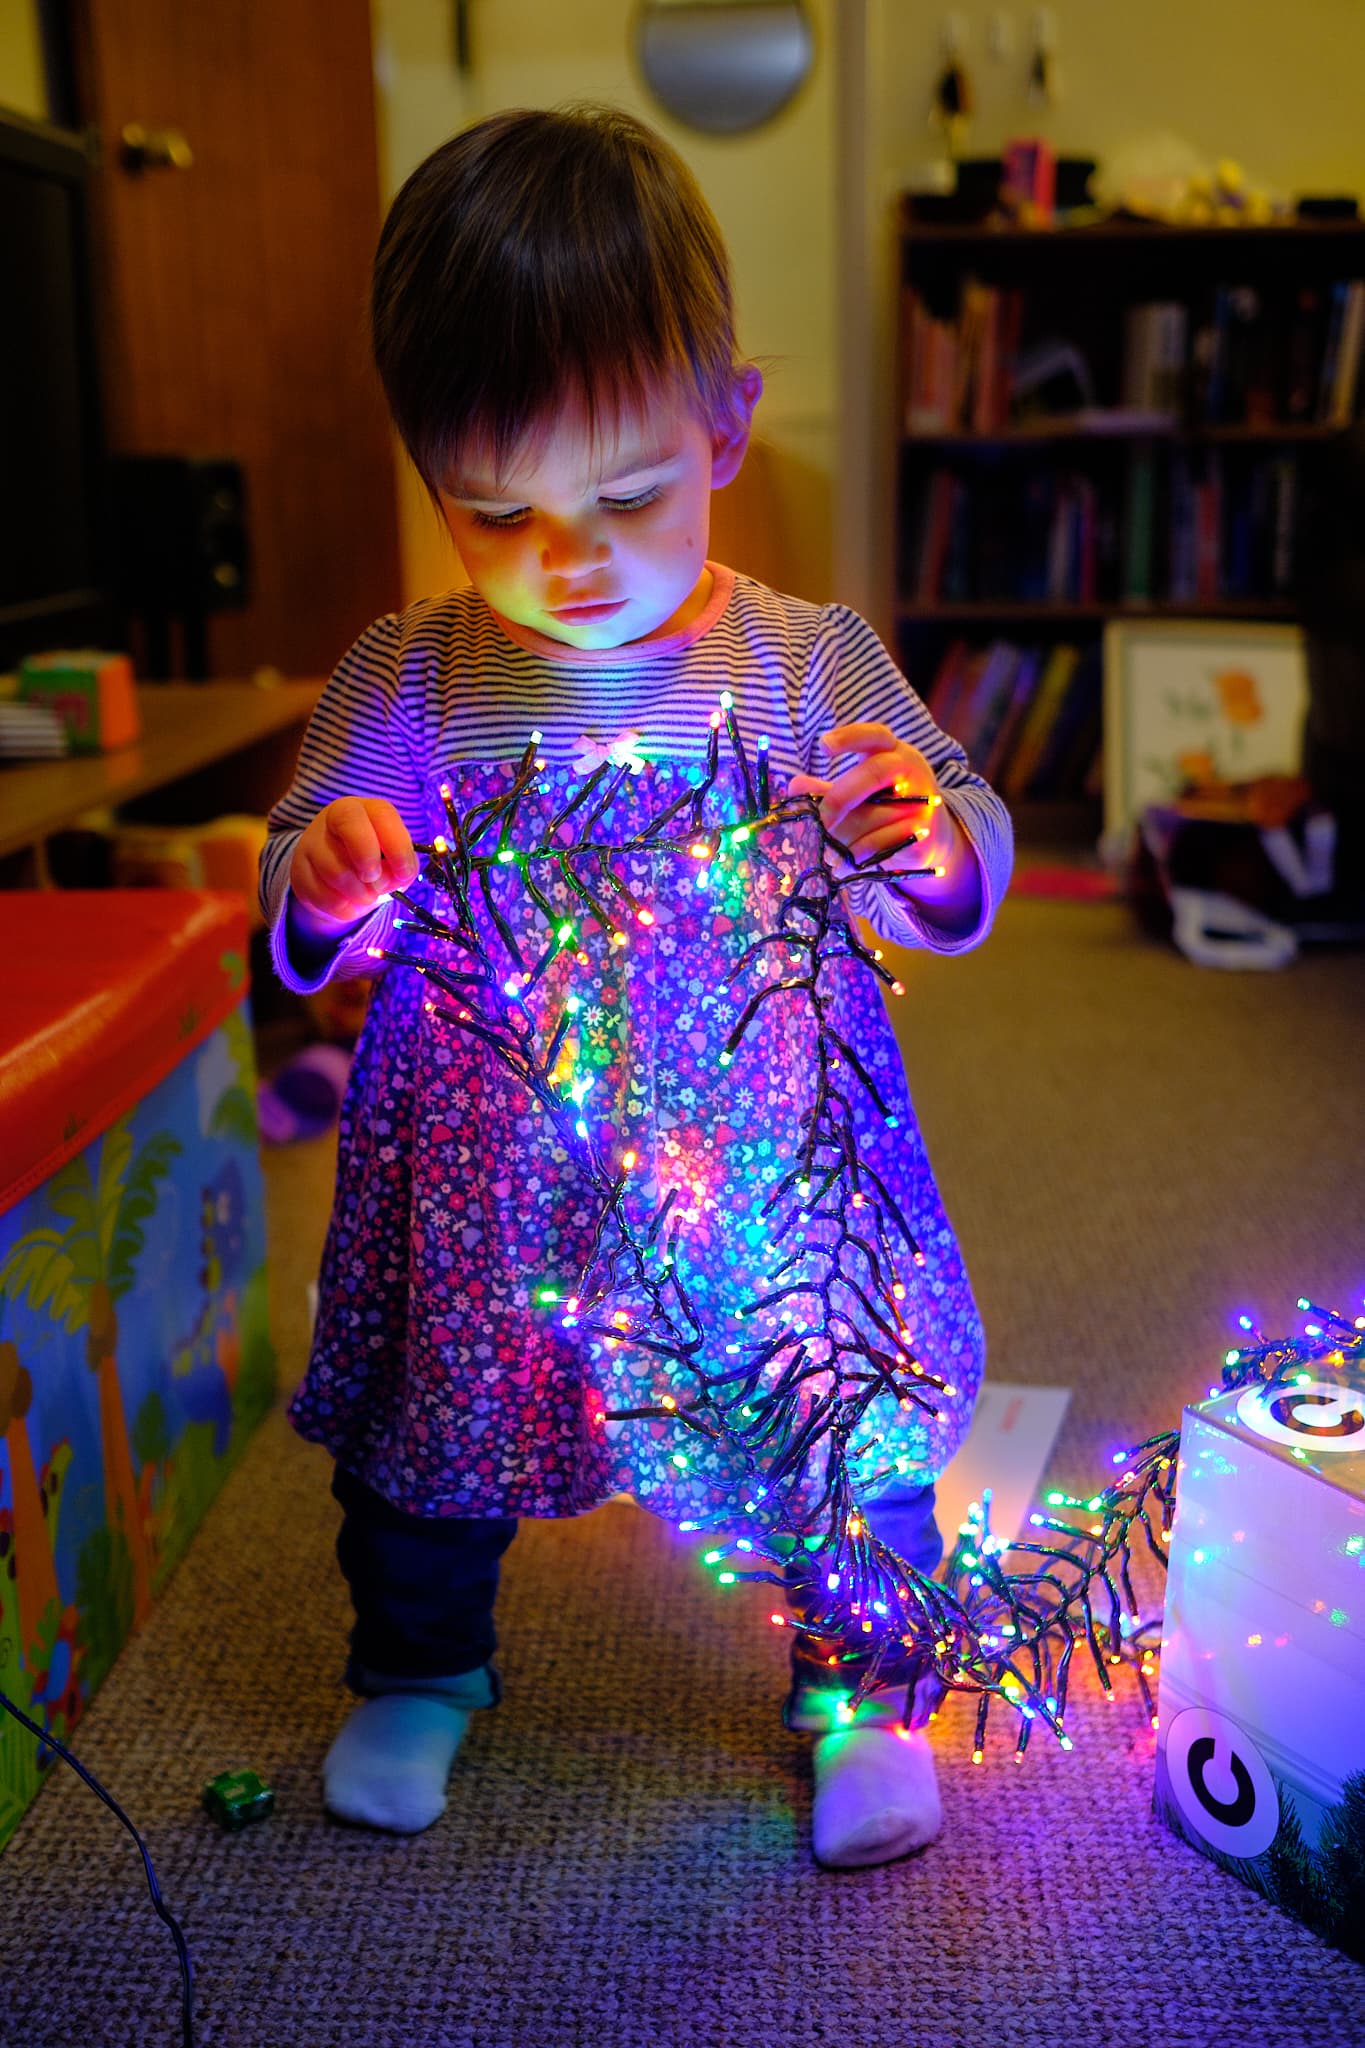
pixel 31 732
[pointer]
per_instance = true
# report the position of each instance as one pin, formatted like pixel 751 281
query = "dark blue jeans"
pixel 423 1586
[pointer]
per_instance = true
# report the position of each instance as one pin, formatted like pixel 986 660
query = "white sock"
pixel 389 1764
pixel 876 1795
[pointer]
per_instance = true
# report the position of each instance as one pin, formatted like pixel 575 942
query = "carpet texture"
pixel 1131 1148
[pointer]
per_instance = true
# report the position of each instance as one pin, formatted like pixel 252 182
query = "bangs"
pixel 543 259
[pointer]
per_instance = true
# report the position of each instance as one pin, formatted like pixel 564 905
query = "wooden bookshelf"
pixel 1037 519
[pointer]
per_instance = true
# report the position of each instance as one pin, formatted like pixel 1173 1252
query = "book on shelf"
pixel 1303 354
pixel 1027 717
pixel 1341 356
pixel 983 712
pixel 1070 740
pixel 1037 719
pixel 1139 529
pixel 1153 373
pixel 957 373
pixel 1022 687
pixel 950 680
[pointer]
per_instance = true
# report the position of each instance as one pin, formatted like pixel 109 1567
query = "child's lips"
pixel 604 609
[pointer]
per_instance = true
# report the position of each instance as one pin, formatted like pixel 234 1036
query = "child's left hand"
pixel 916 832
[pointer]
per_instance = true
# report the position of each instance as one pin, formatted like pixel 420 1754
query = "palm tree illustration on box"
pixel 35 1566
pixel 78 1272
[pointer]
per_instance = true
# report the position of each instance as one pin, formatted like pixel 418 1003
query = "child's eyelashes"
pixel 635 504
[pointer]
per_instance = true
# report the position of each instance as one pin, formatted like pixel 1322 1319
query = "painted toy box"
pixel 1261 1746
pixel 135 1357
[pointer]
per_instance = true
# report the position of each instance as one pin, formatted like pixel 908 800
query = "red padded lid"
pixel 107 990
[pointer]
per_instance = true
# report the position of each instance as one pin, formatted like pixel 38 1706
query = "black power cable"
pixel 177 1932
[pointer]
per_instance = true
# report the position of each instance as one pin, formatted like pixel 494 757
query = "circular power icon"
pixel 1322 1413
pixel 1221 1782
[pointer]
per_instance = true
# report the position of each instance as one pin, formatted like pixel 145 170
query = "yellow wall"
pixel 772 193
pixel 1277 86
pixel 22 86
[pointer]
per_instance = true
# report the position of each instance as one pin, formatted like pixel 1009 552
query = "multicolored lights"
pixel 777 1400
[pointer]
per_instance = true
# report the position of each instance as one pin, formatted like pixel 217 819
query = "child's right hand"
pixel 355 851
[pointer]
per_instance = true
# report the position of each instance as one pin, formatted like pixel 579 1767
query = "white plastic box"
pixel 1261 1745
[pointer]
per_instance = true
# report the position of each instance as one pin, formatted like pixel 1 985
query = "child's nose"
pixel 569 548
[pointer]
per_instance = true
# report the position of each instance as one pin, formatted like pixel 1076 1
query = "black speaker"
pixel 179 534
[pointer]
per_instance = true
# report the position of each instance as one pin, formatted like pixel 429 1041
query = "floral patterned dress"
pixel 438 1373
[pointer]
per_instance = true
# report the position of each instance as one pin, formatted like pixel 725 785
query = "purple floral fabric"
pixel 437 1375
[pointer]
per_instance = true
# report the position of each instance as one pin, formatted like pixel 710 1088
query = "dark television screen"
pixel 51 467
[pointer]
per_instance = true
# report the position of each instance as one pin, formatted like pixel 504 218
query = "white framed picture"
pixel 1191 701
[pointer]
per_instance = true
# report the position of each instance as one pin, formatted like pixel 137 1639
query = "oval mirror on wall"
pixel 724 66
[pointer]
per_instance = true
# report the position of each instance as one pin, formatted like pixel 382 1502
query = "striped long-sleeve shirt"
pixel 448 681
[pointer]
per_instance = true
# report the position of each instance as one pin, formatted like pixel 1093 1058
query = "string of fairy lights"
pixel 810 1392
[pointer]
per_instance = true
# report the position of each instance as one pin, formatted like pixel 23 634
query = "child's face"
pixel 626 532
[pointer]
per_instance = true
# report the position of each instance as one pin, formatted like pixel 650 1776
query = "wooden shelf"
pixel 1126 230
pixel 1151 430
pixel 185 727
pixel 1007 611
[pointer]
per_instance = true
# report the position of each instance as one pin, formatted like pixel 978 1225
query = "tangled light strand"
pixel 840 1239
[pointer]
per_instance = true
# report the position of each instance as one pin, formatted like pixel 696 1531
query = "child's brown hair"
pixel 543 255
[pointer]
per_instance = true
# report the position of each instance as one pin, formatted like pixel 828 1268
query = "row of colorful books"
pixel 1246 358
pixel 1226 536
pixel 1175 523
pixel 959 373
pixel 1027 538
pixel 1240 355
pixel 1029 717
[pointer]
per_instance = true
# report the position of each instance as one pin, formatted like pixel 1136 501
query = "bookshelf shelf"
pixel 1122 420
pixel 1007 612
pixel 1084 235
pixel 1147 430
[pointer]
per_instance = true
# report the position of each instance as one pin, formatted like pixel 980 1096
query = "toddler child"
pixel 553 328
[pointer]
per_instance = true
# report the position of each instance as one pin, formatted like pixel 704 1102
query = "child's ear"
pixel 729 447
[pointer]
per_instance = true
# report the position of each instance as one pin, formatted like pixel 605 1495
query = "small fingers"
pixel 322 888
pixel 858 738
pixel 352 835
pixel 851 789
pixel 395 842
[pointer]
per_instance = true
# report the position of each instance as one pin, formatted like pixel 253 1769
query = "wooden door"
pixel 233 293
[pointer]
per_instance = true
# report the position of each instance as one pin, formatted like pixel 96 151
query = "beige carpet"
pixel 1131 1148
